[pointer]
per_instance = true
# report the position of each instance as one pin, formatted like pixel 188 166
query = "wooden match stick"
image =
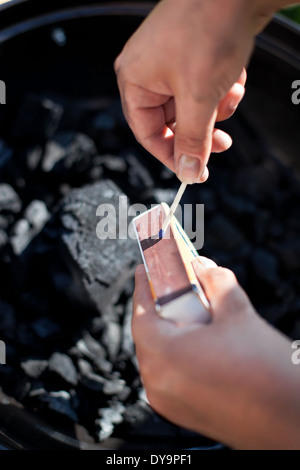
pixel 172 209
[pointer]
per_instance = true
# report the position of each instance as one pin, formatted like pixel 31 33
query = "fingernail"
pixel 232 106
pixel 204 176
pixel 188 169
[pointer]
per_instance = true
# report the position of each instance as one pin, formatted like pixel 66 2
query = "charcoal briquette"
pixel 3 239
pixel 91 349
pixel 9 199
pixel 61 403
pixel 6 154
pixel 104 264
pixel 31 156
pixel 114 386
pixel 35 217
pixel 264 265
pixel 94 347
pixel 45 328
pixel 289 254
pixel 163 195
pixel 127 345
pixel 7 320
pixel 34 367
pixel 37 118
pixel 141 420
pixel 224 234
pixel 22 388
pixel 138 175
pixel 62 365
pixel 68 153
pixel 109 417
pixel 88 378
pixel 112 163
pixel 111 339
pixel 4 222
pixel 20 238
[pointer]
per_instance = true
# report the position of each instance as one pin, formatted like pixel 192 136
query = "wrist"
pixel 262 11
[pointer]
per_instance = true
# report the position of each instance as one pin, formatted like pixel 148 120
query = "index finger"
pixel 147 115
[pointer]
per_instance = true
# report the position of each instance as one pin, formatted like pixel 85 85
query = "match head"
pixel 161 234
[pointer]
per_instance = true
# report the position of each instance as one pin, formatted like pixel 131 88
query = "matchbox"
pixel 175 288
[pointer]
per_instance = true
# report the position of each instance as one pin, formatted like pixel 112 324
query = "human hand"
pixel 183 69
pixel 232 380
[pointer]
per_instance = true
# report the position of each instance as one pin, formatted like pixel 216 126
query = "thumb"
pixel 225 295
pixel 195 122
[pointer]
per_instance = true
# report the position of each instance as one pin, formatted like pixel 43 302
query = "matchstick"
pixel 172 210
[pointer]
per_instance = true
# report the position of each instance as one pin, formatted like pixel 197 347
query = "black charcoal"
pixel 38 118
pixel 114 386
pixel 7 320
pixel 94 347
pixel 289 254
pixel 61 403
pixel 4 222
pixel 69 173
pixel 32 157
pixel 35 217
pixel 109 417
pixel 20 236
pixel 138 175
pixel 25 336
pixel 68 153
pixel 224 234
pixel 34 367
pixel 265 266
pixel 9 199
pixel 22 388
pixel 89 348
pixel 62 365
pixel 3 239
pixel 127 345
pixel 45 328
pixel 112 163
pixel 6 155
pixel 88 378
pixel 141 420
pixel 163 195
pixel 104 263
pixel 111 339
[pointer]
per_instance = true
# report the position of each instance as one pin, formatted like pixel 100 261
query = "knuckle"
pixel 190 143
pixel 214 276
pixel 226 272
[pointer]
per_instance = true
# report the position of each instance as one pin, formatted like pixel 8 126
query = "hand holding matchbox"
pixel 168 259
